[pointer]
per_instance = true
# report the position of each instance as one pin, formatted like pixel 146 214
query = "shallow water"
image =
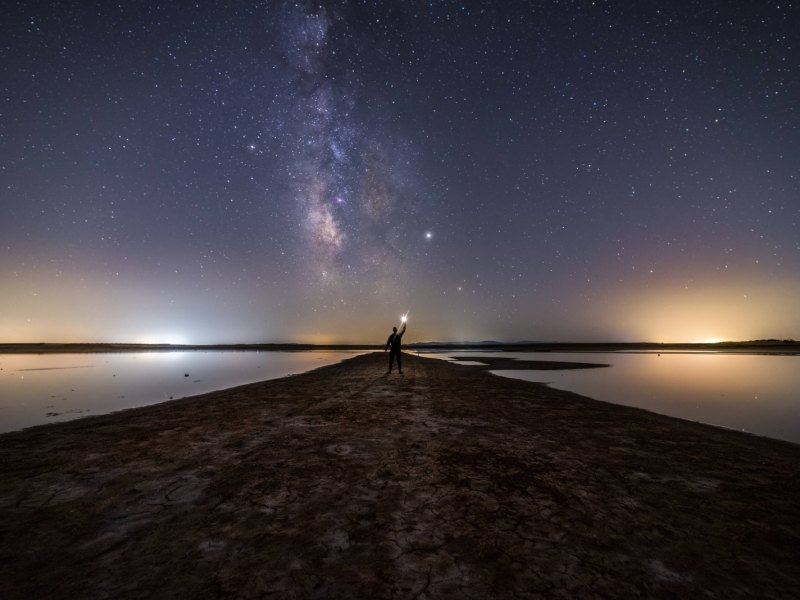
pixel 46 388
pixel 755 393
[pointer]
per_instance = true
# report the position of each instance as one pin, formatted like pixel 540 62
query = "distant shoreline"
pixel 751 347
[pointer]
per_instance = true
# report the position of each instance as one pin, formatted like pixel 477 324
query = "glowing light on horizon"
pixel 175 339
pixel 304 226
pixel 711 312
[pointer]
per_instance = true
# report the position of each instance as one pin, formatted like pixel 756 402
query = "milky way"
pixel 348 170
pixel 272 171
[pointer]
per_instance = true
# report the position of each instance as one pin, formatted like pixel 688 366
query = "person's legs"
pixel 391 360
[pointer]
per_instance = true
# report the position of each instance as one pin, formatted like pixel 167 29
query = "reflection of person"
pixel 393 345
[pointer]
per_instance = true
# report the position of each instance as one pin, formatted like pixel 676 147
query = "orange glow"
pixel 707 313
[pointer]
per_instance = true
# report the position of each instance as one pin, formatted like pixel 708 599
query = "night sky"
pixel 288 171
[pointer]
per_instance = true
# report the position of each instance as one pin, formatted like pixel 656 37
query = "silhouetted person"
pixel 393 345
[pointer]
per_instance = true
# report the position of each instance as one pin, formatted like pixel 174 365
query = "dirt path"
pixel 446 483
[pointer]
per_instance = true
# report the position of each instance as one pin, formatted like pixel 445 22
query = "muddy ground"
pixel 344 482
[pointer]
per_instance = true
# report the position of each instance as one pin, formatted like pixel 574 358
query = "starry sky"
pixel 210 172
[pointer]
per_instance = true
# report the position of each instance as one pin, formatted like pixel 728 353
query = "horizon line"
pixel 763 341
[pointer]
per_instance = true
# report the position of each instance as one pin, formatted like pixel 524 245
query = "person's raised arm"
pixel 402 329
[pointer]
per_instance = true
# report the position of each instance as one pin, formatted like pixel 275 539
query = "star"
pixel 230 176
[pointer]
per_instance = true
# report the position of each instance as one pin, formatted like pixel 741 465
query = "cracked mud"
pixel 446 483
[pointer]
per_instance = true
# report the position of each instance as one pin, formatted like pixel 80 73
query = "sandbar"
pixel 447 482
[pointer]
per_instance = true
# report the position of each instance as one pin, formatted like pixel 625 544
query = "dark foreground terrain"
pixel 446 483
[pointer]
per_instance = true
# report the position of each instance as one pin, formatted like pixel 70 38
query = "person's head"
pixel 394 329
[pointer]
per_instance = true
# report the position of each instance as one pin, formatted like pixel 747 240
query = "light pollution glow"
pixel 43 309
pixel 298 172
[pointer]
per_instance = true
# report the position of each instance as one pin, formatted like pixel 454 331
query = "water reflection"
pixel 755 393
pixel 45 388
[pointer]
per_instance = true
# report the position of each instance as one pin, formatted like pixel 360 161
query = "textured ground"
pixel 446 483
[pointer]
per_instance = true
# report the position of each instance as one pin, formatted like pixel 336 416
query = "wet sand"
pixel 448 482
